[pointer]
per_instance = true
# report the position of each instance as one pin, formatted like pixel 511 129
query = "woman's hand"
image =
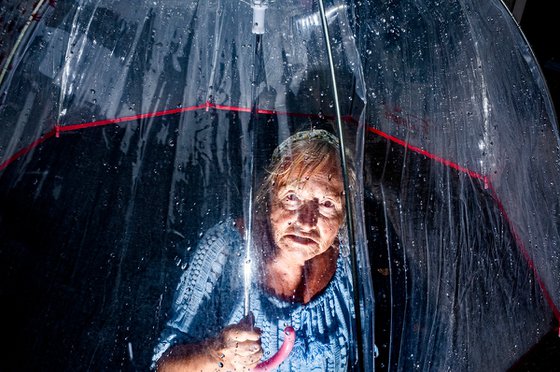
pixel 238 347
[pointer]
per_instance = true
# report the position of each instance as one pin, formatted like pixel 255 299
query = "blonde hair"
pixel 300 154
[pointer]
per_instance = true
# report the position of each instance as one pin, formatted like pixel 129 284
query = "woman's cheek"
pixel 279 217
pixel 330 230
pixel 333 227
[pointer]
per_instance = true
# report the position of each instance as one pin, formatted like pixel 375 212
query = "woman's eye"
pixel 291 200
pixel 291 197
pixel 328 204
pixel 329 208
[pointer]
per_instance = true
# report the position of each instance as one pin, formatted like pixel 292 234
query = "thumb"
pixel 248 320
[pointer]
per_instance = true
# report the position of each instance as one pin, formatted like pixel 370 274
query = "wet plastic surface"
pixel 124 134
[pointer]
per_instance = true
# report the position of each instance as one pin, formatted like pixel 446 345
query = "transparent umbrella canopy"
pixel 463 159
pixel 129 128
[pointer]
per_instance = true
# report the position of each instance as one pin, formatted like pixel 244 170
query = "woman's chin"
pixel 298 254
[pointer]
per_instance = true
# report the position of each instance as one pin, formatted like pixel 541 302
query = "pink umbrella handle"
pixel 281 354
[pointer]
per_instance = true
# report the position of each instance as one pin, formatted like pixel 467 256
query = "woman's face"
pixel 306 214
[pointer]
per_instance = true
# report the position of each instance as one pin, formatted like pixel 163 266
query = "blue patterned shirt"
pixel 210 296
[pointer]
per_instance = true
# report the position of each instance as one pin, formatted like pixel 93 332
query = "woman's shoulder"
pixel 214 253
pixel 219 238
pixel 227 228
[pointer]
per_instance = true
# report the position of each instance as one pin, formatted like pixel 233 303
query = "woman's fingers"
pixel 242 355
pixel 239 333
pixel 243 348
pixel 239 346
pixel 241 336
pixel 250 362
pixel 247 348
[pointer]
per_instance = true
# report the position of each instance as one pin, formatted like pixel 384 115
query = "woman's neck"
pixel 300 283
pixel 283 278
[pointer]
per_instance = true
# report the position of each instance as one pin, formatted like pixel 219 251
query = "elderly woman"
pixel 303 275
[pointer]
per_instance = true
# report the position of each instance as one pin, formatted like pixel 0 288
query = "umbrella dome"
pixel 128 129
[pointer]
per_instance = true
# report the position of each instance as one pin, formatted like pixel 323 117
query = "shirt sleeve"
pixel 204 290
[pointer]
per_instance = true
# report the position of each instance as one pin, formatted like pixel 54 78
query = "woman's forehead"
pixel 327 183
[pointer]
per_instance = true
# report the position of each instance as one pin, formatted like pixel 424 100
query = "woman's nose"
pixel 308 213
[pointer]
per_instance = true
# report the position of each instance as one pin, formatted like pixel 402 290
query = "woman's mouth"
pixel 301 239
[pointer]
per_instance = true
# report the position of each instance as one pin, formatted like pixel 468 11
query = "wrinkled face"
pixel 306 214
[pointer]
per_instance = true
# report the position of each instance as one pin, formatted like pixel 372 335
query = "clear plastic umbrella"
pixel 128 129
